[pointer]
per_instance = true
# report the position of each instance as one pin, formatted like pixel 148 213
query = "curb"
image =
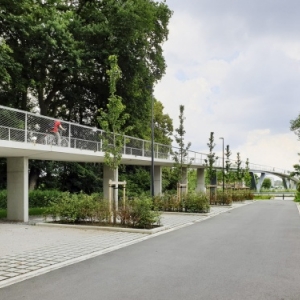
pixel 106 228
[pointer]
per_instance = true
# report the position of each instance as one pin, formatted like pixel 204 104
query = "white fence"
pixel 25 127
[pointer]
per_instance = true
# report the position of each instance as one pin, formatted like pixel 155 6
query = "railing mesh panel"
pixel 19 126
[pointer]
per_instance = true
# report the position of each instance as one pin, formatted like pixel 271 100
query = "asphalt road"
pixel 247 253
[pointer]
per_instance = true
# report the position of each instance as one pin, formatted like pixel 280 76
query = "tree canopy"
pixel 295 126
pixel 56 55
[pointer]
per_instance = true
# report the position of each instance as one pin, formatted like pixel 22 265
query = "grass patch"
pixel 263 197
pixel 35 211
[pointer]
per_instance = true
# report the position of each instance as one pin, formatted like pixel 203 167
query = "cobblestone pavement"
pixel 33 250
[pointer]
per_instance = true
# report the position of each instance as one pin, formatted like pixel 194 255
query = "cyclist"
pixel 55 131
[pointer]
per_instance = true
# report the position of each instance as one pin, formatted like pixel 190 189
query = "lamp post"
pixel 221 138
pixel 152 145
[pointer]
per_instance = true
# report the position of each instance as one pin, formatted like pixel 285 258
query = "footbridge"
pixel 25 136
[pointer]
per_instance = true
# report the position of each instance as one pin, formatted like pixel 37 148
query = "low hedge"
pixel 37 198
pixel 82 208
pixel 191 202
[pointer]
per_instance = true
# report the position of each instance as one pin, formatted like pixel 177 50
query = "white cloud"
pixel 235 66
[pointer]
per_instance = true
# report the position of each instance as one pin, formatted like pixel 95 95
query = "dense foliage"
pixel 54 57
pixel 92 209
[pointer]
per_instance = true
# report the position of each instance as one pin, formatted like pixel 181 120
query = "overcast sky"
pixel 235 66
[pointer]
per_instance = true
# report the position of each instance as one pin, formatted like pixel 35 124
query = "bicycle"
pixel 50 139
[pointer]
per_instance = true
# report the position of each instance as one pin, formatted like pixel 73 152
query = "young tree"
pixel 239 170
pixel 211 159
pixel 247 176
pixel 112 122
pixel 181 155
pixel 228 173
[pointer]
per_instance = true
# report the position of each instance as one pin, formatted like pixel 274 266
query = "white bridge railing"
pixel 21 126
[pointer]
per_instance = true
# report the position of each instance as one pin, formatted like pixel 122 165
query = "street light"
pixel 221 138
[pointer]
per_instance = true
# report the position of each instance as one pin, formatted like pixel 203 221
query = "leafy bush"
pixel 40 198
pixel 230 196
pixel 196 202
pixel 141 213
pixel 192 202
pixel 167 202
pixel 77 208
pixel 225 198
pixel 36 198
pixel 297 197
pixel 3 199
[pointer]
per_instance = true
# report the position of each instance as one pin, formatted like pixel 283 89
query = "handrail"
pixel 22 126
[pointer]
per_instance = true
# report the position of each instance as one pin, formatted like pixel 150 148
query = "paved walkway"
pixel 27 251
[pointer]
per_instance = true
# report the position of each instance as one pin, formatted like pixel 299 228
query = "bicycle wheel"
pixel 49 140
pixel 64 143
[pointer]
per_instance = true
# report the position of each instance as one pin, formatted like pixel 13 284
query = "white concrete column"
pixel 157 180
pixel 17 189
pixel 260 181
pixel 292 185
pixel 109 174
pixel 286 183
pixel 200 187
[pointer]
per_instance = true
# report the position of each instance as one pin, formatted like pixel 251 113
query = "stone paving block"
pixel 33 268
pixel 94 241
pixel 11 274
pixel 3 278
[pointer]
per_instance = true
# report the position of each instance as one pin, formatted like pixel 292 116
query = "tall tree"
pixel 228 171
pixel 113 119
pixel 211 159
pixel 247 176
pixel 181 154
pixel 239 170
pixel 63 47
pixel 54 56
pixel 163 125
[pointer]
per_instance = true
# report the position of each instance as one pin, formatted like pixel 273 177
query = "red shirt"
pixel 56 126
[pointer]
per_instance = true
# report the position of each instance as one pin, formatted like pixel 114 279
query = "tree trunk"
pixel 34 175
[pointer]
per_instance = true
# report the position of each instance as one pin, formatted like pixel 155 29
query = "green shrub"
pixel 225 198
pixel 139 213
pixel 3 199
pixel 297 197
pixel 43 198
pixel 167 202
pixel 196 202
pixel 75 208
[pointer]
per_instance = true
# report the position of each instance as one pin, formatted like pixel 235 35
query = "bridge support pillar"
pixel 157 180
pixel 257 185
pixel 286 183
pixel 17 189
pixel 260 181
pixel 292 185
pixel 200 187
pixel 110 174
pixel 253 181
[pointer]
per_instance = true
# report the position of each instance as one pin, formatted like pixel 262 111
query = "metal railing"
pixel 21 126
pixel 26 127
